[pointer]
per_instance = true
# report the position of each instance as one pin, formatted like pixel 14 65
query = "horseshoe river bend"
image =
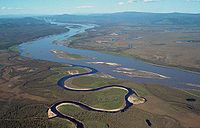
pixel 41 49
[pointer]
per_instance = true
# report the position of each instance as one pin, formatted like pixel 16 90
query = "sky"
pixel 40 7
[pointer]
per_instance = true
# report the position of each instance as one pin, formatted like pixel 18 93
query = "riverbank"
pixel 28 102
pixel 65 55
pixel 139 73
pixel 24 30
pixel 156 63
pixel 55 94
pixel 161 50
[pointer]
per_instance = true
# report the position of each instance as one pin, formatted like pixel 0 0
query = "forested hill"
pixel 135 18
pixel 17 30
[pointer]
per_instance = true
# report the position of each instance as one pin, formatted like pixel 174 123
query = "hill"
pixel 135 18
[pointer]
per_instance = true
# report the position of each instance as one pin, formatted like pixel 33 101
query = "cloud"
pixel 120 3
pixel 3 8
pixel 131 1
pixel 10 8
pixel 85 7
pixel 193 0
pixel 147 1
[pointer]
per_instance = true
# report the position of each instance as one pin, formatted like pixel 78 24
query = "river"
pixel 40 49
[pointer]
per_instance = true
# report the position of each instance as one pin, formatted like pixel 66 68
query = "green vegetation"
pixel 23 114
pixel 66 55
pixel 14 48
pixel 61 72
pixel 193 93
pixel 16 31
pixel 93 81
pixel 26 102
pixel 96 124
pixel 168 93
pixel 133 118
pixel 70 110
pixel 139 42
pixel 67 68
pixel 106 99
pixel 176 98
pixel 139 88
pixel 60 123
pixel 74 56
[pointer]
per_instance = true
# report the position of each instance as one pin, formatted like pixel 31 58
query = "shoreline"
pixel 140 73
pixel 64 55
pixel 98 109
pixel 35 39
pixel 108 110
pixel 183 68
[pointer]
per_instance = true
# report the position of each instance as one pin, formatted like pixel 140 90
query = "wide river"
pixel 40 49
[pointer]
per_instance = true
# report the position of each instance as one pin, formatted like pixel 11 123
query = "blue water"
pixel 79 124
pixel 40 49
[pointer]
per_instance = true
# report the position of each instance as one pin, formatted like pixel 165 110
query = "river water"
pixel 40 49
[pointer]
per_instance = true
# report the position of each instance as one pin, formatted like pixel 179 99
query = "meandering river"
pixel 55 107
pixel 40 49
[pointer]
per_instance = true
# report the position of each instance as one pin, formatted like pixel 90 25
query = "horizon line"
pixel 98 13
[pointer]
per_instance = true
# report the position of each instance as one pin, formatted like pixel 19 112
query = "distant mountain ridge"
pixel 135 18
